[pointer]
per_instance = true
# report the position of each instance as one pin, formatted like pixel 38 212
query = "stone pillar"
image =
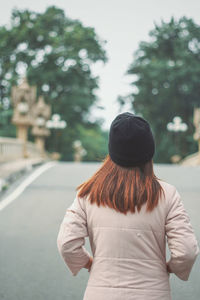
pixel 40 144
pixel 23 98
pixel 42 113
pixel 79 151
pixel 196 122
pixel 22 132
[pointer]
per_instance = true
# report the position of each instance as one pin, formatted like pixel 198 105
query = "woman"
pixel 128 213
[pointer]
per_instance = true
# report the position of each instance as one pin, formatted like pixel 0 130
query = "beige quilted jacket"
pixel 129 251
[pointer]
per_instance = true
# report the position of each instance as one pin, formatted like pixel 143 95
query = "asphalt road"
pixel 30 265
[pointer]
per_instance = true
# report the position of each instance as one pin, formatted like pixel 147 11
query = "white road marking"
pixel 19 190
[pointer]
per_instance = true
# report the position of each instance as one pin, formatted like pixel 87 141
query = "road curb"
pixel 10 172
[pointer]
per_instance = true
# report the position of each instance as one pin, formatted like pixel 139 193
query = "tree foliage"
pixel 57 54
pixel 166 84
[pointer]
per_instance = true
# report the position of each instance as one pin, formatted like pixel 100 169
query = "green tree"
pixel 166 84
pixel 95 142
pixel 57 54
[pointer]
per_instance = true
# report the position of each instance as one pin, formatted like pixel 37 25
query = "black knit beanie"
pixel 131 141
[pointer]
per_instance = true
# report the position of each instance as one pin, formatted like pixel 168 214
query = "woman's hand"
pixel 89 264
pixel 168 268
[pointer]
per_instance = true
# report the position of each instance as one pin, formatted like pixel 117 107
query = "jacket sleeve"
pixel 71 237
pixel 181 238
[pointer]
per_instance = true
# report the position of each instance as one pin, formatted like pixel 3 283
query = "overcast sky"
pixel 123 23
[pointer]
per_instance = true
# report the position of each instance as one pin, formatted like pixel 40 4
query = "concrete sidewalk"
pixel 10 171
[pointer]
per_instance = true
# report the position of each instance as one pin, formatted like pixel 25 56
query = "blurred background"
pixel 66 71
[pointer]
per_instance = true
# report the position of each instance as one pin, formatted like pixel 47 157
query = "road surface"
pixel 30 265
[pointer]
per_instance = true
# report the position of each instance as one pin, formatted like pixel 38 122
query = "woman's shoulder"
pixel 166 185
pixel 171 193
pixel 169 189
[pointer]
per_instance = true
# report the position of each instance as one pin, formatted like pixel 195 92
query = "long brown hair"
pixel 123 188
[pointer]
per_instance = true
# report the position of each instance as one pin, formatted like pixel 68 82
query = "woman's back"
pixel 129 250
pixel 128 219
